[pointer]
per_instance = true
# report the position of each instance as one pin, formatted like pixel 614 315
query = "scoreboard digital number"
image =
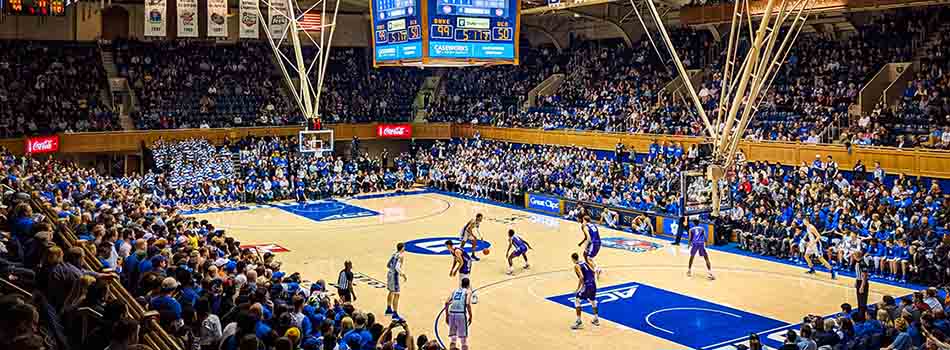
pixel 474 29
pixel 397 25
pixel 35 7
pixel 445 31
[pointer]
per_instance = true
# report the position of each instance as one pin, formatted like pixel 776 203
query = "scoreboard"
pixel 35 7
pixel 437 32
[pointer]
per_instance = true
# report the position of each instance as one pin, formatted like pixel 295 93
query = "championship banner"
pixel 154 17
pixel 188 18
pixel 248 23
pixel 278 14
pixel 217 18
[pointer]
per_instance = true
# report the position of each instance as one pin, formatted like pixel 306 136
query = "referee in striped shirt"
pixel 344 284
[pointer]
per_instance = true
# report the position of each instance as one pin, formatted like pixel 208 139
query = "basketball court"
pixel 645 297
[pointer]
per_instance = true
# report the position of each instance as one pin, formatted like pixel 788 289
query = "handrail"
pixel 9 285
pixel 160 340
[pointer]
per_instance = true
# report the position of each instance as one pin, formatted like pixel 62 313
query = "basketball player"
pixel 461 265
pixel 395 271
pixel 458 314
pixel 592 240
pixel 521 249
pixel 468 234
pixel 586 290
pixel 697 243
pixel 813 248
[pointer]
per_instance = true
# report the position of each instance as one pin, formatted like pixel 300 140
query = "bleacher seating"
pixel 51 87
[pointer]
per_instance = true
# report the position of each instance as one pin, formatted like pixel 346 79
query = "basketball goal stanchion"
pixel 743 87
pixel 288 26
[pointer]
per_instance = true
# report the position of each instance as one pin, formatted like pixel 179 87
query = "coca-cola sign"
pixel 42 144
pixel 395 131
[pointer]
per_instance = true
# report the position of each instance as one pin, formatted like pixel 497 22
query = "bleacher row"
pixel 607 86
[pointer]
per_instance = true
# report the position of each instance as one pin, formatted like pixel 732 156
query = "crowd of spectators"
pixel 51 87
pixel 194 174
pixel 484 94
pixel 355 93
pixel 192 84
pixel 209 292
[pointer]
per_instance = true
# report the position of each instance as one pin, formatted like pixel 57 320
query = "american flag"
pixel 310 22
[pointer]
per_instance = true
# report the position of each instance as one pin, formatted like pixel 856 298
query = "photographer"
pixel 403 339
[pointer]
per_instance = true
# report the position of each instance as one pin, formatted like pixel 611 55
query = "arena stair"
pixel 427 93
pixel 122 96
pixel 546 87
pixel 676 86
pixel 887 86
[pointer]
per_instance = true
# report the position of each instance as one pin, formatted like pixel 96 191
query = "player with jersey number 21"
pixel 458 314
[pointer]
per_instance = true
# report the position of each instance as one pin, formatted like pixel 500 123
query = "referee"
pixel 344 284
pixel 861 270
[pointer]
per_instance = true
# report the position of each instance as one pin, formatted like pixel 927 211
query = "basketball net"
pixel 286 16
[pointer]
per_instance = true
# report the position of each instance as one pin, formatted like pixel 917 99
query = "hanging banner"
pixel 249 19
pixel 188 18
pixel 154 17
pixel 217 18
pixel 278 19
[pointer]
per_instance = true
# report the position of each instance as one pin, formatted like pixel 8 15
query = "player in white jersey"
pixel 468 234
pixel 392 281
pixel 813 248
pixel 458 314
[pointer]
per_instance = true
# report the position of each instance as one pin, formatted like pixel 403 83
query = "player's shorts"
pixel 392 283
pixel 518 252
pixel 587 292
pixel 813 249
pixel 465 236
pixel 592 249
pixel 458 325
pixel 697 249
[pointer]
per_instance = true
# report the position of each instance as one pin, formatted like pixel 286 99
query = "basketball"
pixel 486 251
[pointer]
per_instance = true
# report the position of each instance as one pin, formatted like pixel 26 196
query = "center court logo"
pixel 629 244
pixel 436 245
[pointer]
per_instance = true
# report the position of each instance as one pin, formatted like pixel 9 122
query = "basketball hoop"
pixel 287 24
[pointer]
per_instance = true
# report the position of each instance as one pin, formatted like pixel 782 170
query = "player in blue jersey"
pixel 458 314
pixel 461 265
pixel 521 249
pixel 813 248
pixel 697 243
pixel 394 266
pixel 586 290
pixel 468 234
pixel 591 242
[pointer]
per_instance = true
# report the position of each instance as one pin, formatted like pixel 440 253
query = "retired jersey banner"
pixel 278 21
pixel 154 17
pixel 217 18
pixel 188 18
pixel 249 19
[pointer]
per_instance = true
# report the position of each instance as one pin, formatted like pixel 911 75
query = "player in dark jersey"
pixel 697 243
pixel 521 249
pixel 591 242
pixel 586 290
pixel 461 265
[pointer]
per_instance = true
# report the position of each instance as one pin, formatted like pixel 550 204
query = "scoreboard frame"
pixel 484 35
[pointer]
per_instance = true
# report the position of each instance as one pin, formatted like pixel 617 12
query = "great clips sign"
pixel 394 131
pixel 42 144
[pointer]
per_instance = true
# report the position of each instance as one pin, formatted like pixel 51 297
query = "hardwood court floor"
pixel 513 312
